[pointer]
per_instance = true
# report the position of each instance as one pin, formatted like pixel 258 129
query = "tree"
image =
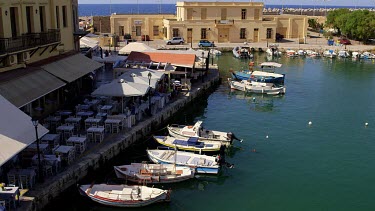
pixel 333 18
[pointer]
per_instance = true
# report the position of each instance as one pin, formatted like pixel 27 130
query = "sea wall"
pixel 115 144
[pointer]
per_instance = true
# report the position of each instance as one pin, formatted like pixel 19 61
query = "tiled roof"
pixel 185 60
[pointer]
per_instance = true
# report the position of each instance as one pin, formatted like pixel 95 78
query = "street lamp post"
pixel 202 65
pixel 149 92
pixel 35 123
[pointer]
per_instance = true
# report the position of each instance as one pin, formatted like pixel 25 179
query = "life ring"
pixel 190 126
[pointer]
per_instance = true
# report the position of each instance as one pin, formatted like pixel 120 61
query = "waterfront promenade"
pixel 315 41
pixel 113 144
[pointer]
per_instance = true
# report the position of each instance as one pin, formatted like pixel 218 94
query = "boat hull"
pixel 163 197
pixel 181 136
pixel 237 85
pixel 198 168
pixel 187 147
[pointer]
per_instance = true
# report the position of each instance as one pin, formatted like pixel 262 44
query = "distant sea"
pixel 107 9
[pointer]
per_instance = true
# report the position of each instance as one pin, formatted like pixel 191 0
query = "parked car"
pixel 175 40
pixel 344 41
pixel 205 43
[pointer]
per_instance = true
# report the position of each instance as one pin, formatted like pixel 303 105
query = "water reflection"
pixel 256 102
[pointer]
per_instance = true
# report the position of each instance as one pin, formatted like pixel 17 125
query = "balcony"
pixel 28 41
pixel 224 22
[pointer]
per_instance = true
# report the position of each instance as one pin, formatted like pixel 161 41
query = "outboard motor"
pixel 232 137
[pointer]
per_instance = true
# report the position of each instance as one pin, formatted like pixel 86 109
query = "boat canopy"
pixel 267 74
pixel 270 64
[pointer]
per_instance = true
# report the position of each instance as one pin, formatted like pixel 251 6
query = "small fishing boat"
pixel 215 52
pixel 154 173
pixel 329 54
pixel 256 87
pixel 190 144
pixel 124 195
pixel 343 54
pixel 273 50
pixel 197 130
pixel 291 53
pixel 242 52
pixel 265 74
pixel 203 164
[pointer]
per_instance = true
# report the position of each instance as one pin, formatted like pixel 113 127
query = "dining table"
pixel 30 174
pixel 11 195
pixel 78 142
pixel 96 134
pixel 67 153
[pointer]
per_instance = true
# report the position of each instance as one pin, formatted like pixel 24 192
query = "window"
pixel 57 17
pixel 269 33
pixel 243 33
pixel 42 18
pixel 64 14
pixel 156 30
pixel 14 21
pixel 121 30
pixel 203 33
pixel 243 14
pixel 223 13
pixel 137 30
pixel 256 14
pixel 175 33
pixel 190 14
pixel 29 17
pixel 203 13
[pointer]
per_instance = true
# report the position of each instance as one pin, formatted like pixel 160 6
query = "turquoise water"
pixel 325 166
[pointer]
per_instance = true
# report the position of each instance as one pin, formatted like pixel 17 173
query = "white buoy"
pixel 310 122
pixel 266 136
pixel 253 98
pixel 366 124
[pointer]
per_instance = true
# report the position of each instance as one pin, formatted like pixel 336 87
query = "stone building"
pixel 215 21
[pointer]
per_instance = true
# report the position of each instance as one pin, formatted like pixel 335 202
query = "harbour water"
pixel 324 166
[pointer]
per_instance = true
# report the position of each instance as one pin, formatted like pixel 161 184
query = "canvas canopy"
pixel 135 46
pixel 121 88
pixel 139 79
pixel 142 72
pixel 88 42
pixel 16 131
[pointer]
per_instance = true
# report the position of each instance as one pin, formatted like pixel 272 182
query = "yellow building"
pixel 215 21
pixel 138 25
pixel 39 42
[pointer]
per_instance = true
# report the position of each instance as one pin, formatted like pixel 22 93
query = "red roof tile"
pixel 174 59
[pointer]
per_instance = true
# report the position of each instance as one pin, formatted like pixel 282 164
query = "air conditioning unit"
pixel 11 60
pixel 23 57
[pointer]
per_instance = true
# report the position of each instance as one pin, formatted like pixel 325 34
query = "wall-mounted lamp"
pixel 36 11
pixel 6 12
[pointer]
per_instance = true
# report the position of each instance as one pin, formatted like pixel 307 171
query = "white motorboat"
pixel 329 54
pixel 203 164
pixel 256 87
pixel 215 52
pixel 190 144
pixel 197 130
pixel 242 52
pixel 124 195
pixel 154 173
pixel 273 50
pixel 291 53
pixel 343 54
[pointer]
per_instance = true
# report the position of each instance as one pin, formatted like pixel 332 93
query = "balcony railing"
pixel 224 22
pixel 26 41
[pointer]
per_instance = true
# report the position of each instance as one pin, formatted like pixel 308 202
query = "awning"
pixel 16 131
pixel 23 86
pixel 72 67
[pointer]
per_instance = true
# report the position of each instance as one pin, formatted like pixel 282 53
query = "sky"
pixel 368 3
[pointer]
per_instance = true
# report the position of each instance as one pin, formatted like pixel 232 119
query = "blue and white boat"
pixel 266 74
pixel 203 164
pixel 190 144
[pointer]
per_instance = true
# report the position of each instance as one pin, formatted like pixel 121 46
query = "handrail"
pixel 30 40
